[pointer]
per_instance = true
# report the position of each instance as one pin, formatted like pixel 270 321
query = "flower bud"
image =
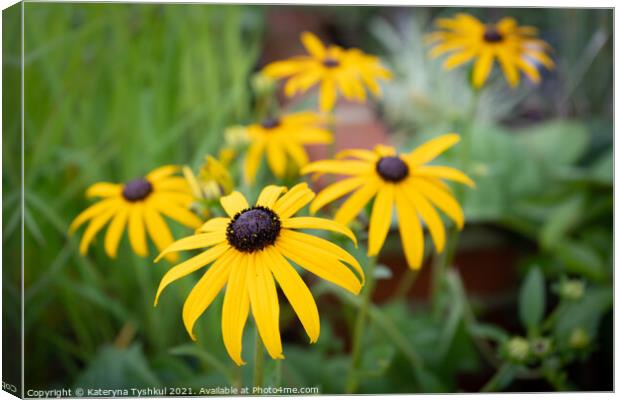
pixel 572 289
pixel 579 338
pixel 518 349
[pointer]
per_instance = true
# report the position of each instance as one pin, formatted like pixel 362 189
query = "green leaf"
pixel 556 142
pixel 581 259
pixel 114 368
pixel 532 299
pixel 560 221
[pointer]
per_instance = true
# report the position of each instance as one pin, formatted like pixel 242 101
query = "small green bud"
pixel 518 349
pixel 541 346
pixel 572 289
pixel 262 84
pixel 579 338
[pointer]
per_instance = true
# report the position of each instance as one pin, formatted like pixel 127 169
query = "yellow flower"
pixel 248 250
pixel 213 180
pixel 516 48
pixel 138 204
pixel 282 137
pixel 333 68
pixel 402 180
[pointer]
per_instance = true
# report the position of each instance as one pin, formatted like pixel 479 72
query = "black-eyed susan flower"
pixel 333 68
pixel 283 139
pixel 249 251
pixel 516 48
pixel 139 206
pixel 401 180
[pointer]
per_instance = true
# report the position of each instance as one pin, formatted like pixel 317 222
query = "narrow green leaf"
pixel 532 299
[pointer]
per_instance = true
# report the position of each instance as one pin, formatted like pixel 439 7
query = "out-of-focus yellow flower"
pixel 214 179
pixel 236 136
pixel 333 68
pixel 249 251
pixel 397 180
pixel 283 138
pixel 516 48
pixel 138 204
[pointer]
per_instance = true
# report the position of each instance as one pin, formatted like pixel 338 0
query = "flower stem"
pixel 360 322
pixel 258 361
pixel 443 261
pixel 406 283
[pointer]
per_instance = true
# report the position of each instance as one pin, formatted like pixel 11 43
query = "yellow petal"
pixel 305 135
pixel 442 200
pixel 158 230
pixel 354 204
pixel 297 153
pixel 215 225
pixel 335 191
pixel 313 45
pixel 458 58
pixel 252 161
pixel 202 295
pixel 318 223
pixel 508 67
pixel 282 69
pixel 293 200
pixel 436 171
pixel 276 158
pixel 428 213
pixel 325 247
pixel 328 268
pixel 137 237
pixel 341 167
pixel 269 195
pixel 194 242
pixel 362 154
pixel 482 68
pixel 95 226
pixel 235 309
pixel 529 70
pixel 179 214
pixel 380 219
pixel 187 267
pixel 115 231
pixel 327 95
pixel 162 173
pixel 92 211
pixel 234 203
pixel 104 189
pixel 431 149
pixel 173 183
pixel 296 292
pixel 410 229
pixel 264 304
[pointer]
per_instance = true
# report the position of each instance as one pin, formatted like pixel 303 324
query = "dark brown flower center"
pixel 331 62
pixel 137 190
pixel 253 229
pixel 492 35
pixel 270 123
pixel 392 169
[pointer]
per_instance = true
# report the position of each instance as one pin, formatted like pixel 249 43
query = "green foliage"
pixel 532 299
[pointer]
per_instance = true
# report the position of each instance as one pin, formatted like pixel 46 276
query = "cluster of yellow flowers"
pixel 251 248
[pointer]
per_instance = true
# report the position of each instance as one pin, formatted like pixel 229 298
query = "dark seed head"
pixel 137 190
pixel 253 229
pixel 331 62
pixel 270 123
pixel 492 35
pixel 392 169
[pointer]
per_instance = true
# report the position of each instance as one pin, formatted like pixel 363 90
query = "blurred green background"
pixel 114 90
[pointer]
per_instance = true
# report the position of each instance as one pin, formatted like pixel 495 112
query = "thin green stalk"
pixel 444 260
pixel 500 379
pixel 407 282
pixel 259 357
pixel 360 323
